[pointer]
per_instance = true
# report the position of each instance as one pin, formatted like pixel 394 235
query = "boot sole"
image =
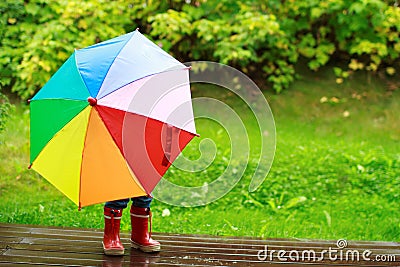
pixel 113 252
pixel 146 249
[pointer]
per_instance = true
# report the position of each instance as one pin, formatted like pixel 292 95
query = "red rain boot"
pixel 111 242
pixel 140 237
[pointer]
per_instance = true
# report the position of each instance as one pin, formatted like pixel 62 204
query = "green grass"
pixel 333 176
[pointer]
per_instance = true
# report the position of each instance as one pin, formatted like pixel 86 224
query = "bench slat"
pixel 57 246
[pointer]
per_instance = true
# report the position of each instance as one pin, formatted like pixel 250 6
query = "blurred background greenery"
pixel 264 39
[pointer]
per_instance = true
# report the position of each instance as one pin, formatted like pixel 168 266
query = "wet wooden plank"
pixel 34 245
pixel 96 260
pixel 168 250
pixel 199 240
pixel 221 243
pixel 144 260
pixel 182 249
pixel 179 245
pixel 218 239
pixel 206 244
pixel 2 250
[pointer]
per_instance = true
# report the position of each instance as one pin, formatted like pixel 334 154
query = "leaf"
pixel 328 218
pixel 272 204
pixel 12 20
pixel 338 71
pixel 316 12
pixel 295 201
pixel 390 71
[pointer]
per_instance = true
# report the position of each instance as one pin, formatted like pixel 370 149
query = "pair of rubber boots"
pixel 140 237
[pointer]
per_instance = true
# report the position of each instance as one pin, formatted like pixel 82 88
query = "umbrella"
pixel 110 122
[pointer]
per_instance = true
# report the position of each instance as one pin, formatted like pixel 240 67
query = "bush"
pixel 230 33
pixel 264 38
pixel 271 36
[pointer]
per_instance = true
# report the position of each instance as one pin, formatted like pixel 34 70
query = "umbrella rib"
pixel 68 121
pixel 108 70
pixel 115 142
pixel 80 74
pixel 148 117
pixel 152 108
pixel 58 98
pixel 83 154
pixel 185 68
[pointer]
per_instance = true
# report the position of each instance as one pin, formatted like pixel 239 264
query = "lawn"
pixel 336 172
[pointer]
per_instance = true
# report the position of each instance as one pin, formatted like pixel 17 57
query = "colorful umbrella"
pixel 111 120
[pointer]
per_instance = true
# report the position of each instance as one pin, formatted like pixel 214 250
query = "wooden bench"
pixel 28 245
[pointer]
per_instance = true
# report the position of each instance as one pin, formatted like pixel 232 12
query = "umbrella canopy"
pixel 111 120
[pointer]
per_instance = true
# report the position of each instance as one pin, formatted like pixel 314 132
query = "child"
pixel 140 215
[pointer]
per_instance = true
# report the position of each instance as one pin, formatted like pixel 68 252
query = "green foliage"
pixel 38 36
pixel 263 38
pixel 231 33
pixel 5 109
pixel 270 36
pixel 363 31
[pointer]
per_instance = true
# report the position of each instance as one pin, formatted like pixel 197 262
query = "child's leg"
pixel 117 204
pixel 142 202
